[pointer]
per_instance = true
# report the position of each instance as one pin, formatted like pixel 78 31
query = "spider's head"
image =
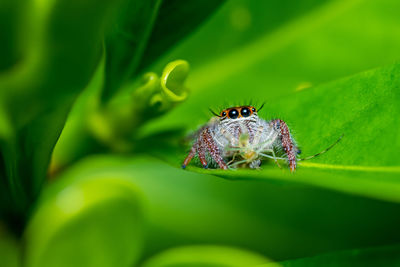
pixel 242 112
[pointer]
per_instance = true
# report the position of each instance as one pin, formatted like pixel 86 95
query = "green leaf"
pixel 324 44
pixel 59 56
pixel 376 256
pixel 93 127
pixel 363 107
pixel 126 41
pixel 85 222
pixel 176 20
pixel 280 69
pixel 144 30
pixel 10 252
pixel 210 256
pixel 279 218
pixel 11 13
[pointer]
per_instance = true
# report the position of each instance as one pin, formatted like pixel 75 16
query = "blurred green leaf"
pixel 126 41
pixel 378 256
pixel 146 29
pixel 176 20
pixel 9 249
pixel 11 13
pixel 279 218
pixel 85 222
pixel 59 57
pixel 210 256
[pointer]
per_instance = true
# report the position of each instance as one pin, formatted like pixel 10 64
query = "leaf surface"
pixel 279 218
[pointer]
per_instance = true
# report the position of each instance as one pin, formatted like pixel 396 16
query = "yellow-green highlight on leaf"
pixel 85 222
pixel 206 255
pixel 378 169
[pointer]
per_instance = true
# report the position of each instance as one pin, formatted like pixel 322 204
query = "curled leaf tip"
pixel 165 92
pixel 173 89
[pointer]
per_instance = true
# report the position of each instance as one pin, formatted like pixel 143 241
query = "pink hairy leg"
pixel 189 157
pixel 286 141
pixel 213 149
pixel 199 148
pixel 202 153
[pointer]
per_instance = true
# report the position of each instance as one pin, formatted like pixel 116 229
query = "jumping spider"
pixel 237 136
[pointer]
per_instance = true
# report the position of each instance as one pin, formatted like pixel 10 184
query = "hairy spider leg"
pixel 191 154
pixel 213 148
pixel 286 142
pixel 202 153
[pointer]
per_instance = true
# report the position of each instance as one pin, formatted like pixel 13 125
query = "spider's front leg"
pixel 286 141
pixel 204 143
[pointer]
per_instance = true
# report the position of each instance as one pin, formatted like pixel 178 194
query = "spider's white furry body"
pixel 239 136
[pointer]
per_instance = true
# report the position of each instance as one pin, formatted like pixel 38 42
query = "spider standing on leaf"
pixel 239 136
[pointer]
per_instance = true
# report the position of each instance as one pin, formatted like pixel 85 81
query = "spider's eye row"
pixel 245 112
pixel 253 109
pixel 223 114
pixel 233 114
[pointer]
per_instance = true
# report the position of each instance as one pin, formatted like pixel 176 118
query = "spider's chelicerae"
pixel 238 137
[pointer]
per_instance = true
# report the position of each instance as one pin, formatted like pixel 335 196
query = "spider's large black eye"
pixel 245 112
pixel 233 114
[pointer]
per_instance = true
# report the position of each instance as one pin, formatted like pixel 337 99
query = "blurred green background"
pixel 98 98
